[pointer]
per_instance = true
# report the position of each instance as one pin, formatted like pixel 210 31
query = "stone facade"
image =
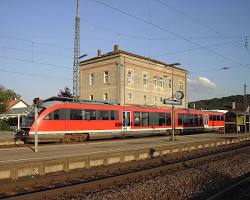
pixel 129 79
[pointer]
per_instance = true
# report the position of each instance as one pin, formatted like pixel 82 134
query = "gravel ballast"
pixel 189 183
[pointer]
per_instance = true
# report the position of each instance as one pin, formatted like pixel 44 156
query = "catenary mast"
pixel 76 67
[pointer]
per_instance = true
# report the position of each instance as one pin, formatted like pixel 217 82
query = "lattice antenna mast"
pixel 76 67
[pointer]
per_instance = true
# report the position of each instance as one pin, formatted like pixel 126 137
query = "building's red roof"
pixel 13 102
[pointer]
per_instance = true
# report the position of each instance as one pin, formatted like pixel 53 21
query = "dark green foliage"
pixel 65 93
pixel 5 96
pixel 221 103
pixel 4 126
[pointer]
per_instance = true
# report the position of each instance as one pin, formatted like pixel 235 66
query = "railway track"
pixel 238 191
pixel 97 179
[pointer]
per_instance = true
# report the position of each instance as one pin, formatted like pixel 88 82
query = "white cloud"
pixel 202 84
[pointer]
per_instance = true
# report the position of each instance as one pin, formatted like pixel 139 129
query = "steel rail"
pixel 132 173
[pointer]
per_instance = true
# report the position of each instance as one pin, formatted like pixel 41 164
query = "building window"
pixel 91 79
pixel 161 100
pixel 105 96
pixel 161 82
pixel 106 77
pixel 155 99
pixel 91 97
pixel 170 83
pixel 145 98
pixel 130 76
pixel 145 79
pixel 181 86
pixel 155 81
pixel 129 96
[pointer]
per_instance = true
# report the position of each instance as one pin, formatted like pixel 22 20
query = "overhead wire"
pixel 164 3
pixel 35 62
pixel 33 51
pixel 197 48
pixel 32 74
pixel 170 32
pixel 36 42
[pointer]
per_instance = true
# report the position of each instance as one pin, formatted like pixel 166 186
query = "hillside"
pixel 220 103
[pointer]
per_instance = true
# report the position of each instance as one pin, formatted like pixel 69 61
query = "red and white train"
pixel 62 119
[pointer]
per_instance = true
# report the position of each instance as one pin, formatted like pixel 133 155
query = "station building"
pixel 129 79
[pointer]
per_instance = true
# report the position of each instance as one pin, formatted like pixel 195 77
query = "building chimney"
pixel 99 53
pixel 116 47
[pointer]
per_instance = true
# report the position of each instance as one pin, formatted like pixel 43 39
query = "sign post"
pixel 174 101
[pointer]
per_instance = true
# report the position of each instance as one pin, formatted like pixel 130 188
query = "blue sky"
pixel 36 41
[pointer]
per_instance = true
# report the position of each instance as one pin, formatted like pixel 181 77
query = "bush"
pixel 4 126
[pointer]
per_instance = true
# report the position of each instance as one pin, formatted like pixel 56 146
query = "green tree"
pixel 5 96
pixel 65 93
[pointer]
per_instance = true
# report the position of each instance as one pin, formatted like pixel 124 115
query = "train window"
pixel 90 114
pixel 188 120
pixel 200 120
pixel 211 117
pixel 168 119
pixel 222 117
pixel 114 115
pixel 137 119
pixel 162 119
pixel 59 114
pixel 180 119
pixel 103 115
pixel 153 119
pixel 214 118
pixel 75 114
pixel 196 120
pixel 145 118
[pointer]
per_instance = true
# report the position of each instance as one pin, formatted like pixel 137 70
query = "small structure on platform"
pixel 237 122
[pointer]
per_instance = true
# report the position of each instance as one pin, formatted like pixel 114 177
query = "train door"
pixel 126 121
pixel 206 121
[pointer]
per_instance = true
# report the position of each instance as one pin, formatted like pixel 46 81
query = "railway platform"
pixel 22 161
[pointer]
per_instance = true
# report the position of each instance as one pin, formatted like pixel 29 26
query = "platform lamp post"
pixel 172 97
pixel 36 103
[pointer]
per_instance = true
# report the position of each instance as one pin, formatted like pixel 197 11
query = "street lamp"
pixel 173 111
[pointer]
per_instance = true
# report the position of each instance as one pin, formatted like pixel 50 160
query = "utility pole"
pixel 76 67
pixel 245 97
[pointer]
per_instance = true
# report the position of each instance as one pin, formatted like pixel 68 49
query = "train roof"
pixel 55 100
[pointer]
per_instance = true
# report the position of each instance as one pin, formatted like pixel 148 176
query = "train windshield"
pixel 31 114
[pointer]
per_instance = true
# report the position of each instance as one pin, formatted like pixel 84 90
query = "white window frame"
pixel 161 82
pixel 129 96
pixel 155 81
pixel 130 76
pixel 105 96
pixel 91 79
pixel 106 76
pixel 155 99
pixel 181 86
pixel 170 83
pixel 145 79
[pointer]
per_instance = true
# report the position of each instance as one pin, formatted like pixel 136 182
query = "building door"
pixel 206 121
pixel 126 121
